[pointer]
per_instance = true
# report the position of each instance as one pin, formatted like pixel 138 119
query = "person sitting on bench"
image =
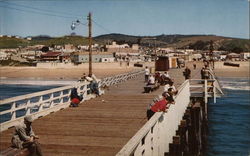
pixel 165 78
pixel 24 137
pixel 151 80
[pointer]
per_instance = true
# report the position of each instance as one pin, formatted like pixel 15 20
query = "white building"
pixel 4 56
pixel 245 55
pixel 114 45
pixel 108 59
pixel 135 47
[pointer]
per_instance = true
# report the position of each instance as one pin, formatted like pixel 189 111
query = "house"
pixel 223 57
pixel 51 56
pixel 245 55
pixel 114 45
pixel 135 47
pixel 4 56
pixel 233 56
pixel 69 48
pixel 83 57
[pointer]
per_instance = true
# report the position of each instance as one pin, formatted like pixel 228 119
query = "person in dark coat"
pixel 187 73
pixel 75 98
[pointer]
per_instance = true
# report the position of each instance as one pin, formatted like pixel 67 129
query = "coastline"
pixel 34 73
pixel 237 72
pixel 232 72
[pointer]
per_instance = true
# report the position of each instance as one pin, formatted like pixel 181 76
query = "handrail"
pixel 45 102
pixel 153 138
pixel 216 89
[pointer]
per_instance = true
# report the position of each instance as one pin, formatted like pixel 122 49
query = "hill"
pixel 75 40
pixel 199 42
pixel 7 42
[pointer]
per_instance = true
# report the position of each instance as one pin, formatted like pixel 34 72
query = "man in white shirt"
pixel 151 80
pixel 170 85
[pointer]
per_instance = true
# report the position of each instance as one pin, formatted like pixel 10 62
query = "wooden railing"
pixel 206 87
pixel 108 81
pixel 154 137
pixel 43 103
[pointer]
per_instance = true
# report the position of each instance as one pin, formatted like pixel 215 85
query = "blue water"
pixel 229 120
pixel 12 90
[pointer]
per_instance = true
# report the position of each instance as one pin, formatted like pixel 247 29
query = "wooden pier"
pixel 100 126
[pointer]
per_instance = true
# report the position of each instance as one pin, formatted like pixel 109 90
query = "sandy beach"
pixel 76 73
pixel 240 72
pixel 57 73
pixel 227 71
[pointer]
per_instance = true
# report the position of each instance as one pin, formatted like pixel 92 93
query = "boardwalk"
pixel 100 126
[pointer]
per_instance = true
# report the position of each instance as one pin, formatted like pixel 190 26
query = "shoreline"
pixel 64 74
pixel 232 73
pixel 56 73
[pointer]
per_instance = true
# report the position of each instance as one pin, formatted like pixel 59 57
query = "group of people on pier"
pixel 93 85
pixel 161 103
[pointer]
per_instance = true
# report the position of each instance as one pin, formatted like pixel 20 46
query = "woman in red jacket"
pixel 160 106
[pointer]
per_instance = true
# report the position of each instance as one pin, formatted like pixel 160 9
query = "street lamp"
pixel 75 23
pixel 73 26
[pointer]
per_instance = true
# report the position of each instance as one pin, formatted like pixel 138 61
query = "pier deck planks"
pixel 100 126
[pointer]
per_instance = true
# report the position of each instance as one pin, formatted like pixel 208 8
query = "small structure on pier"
pixel 164 63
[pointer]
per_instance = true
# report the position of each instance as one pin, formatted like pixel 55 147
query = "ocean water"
pixel 15 87
pixel 229 120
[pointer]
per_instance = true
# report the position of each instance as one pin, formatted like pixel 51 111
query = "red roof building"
pixel 51 56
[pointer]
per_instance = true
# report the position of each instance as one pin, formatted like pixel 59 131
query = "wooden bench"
pixel 150 88
pixel 15 152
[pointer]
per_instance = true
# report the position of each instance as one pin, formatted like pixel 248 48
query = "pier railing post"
pixel 205 91
pixel 214 91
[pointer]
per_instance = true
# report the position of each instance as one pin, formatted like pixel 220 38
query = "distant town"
pixel 72 55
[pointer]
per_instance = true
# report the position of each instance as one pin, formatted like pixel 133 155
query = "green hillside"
pixel 75 40
pixel 7 42
pixel 199 42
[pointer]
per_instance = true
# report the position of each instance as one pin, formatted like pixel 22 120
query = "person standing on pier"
pixel 194 64
pixel 202 73
pixel 147 72
pixel 206 73
pixel 24 137
pixel 187 73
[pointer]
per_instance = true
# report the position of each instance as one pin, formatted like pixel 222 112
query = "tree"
pixel 45 49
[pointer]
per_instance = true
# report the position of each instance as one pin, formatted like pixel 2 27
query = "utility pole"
pixel 90 43
pixel 211 49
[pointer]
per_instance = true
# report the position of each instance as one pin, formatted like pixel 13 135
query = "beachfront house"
pixel 245 55
pixel 83 57
pixel 233 56
pixel 51 57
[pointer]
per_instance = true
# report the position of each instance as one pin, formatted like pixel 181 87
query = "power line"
pixel 40 13
pixel 43 10
pixel 101 26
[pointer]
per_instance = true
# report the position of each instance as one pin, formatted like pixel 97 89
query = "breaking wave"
pixel 235 84
pixel 37 82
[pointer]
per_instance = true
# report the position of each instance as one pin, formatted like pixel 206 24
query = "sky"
pixel 133 17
